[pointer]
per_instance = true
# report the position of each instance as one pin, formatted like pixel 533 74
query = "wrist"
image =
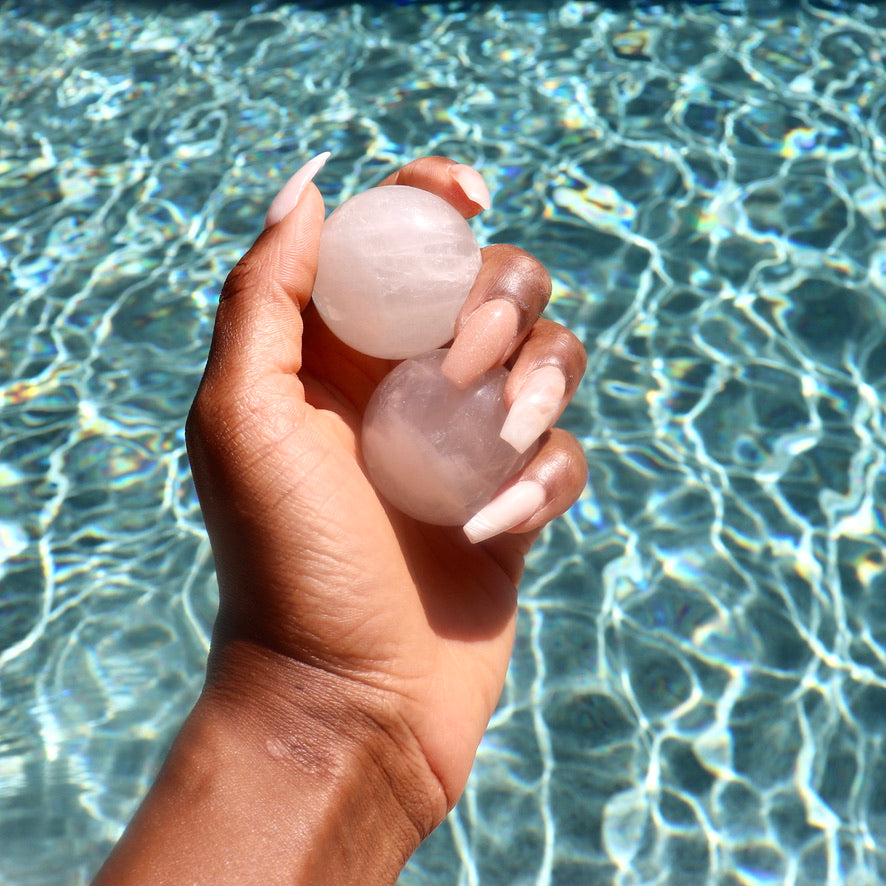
pixel 282 773
pixel 306 722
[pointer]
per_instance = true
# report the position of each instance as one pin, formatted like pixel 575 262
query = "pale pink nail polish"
pixel 482 343
pixel 287 196
pixel 471 182
pixel 535 408
pixel 516 504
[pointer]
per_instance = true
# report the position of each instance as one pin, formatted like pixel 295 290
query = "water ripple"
pixel 699 677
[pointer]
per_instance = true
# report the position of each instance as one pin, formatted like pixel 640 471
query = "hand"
pixel 344 625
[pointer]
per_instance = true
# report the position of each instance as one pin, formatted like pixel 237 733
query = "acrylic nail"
pixel 482 342
pixel 516 504
pixel 287 196
pixel 535 407
pixel 472 184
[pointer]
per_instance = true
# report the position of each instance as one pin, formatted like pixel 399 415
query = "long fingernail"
pixel 287 196
pixel 535 407
pixel 482 342
pixel 516 504
pixel 471 182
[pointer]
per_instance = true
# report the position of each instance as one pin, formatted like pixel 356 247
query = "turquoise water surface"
pixel 698 691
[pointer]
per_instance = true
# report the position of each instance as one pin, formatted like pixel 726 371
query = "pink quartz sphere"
pixel 432 450
pixel 396 264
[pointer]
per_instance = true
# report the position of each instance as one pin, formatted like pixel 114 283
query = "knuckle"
pixel 563 466
pixel 201 424
pixel 216 413
pixel 524 281
pixel 242 276
pixel 573 353
pixel 529 269
pixel 554 344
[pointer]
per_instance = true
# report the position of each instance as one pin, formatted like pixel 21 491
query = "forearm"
pixel 280 785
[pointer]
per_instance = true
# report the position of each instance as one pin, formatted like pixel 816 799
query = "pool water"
pixel 698 690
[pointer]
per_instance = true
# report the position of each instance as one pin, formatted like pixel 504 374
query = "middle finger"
pixel 510 292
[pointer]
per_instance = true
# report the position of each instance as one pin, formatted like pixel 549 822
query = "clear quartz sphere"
pixel 396 264
pixel 432 450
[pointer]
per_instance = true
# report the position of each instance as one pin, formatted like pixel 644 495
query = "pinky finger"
pixel 548 486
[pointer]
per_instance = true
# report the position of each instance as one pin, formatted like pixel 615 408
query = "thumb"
pixel 258 324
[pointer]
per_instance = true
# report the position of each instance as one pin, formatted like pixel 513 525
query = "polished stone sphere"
pixel 432 450
pixel 396 264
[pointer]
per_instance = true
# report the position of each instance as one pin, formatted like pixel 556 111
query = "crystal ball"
pixel 433 451
pixel 395 266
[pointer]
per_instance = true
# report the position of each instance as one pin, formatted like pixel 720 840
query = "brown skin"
pixel 358 654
